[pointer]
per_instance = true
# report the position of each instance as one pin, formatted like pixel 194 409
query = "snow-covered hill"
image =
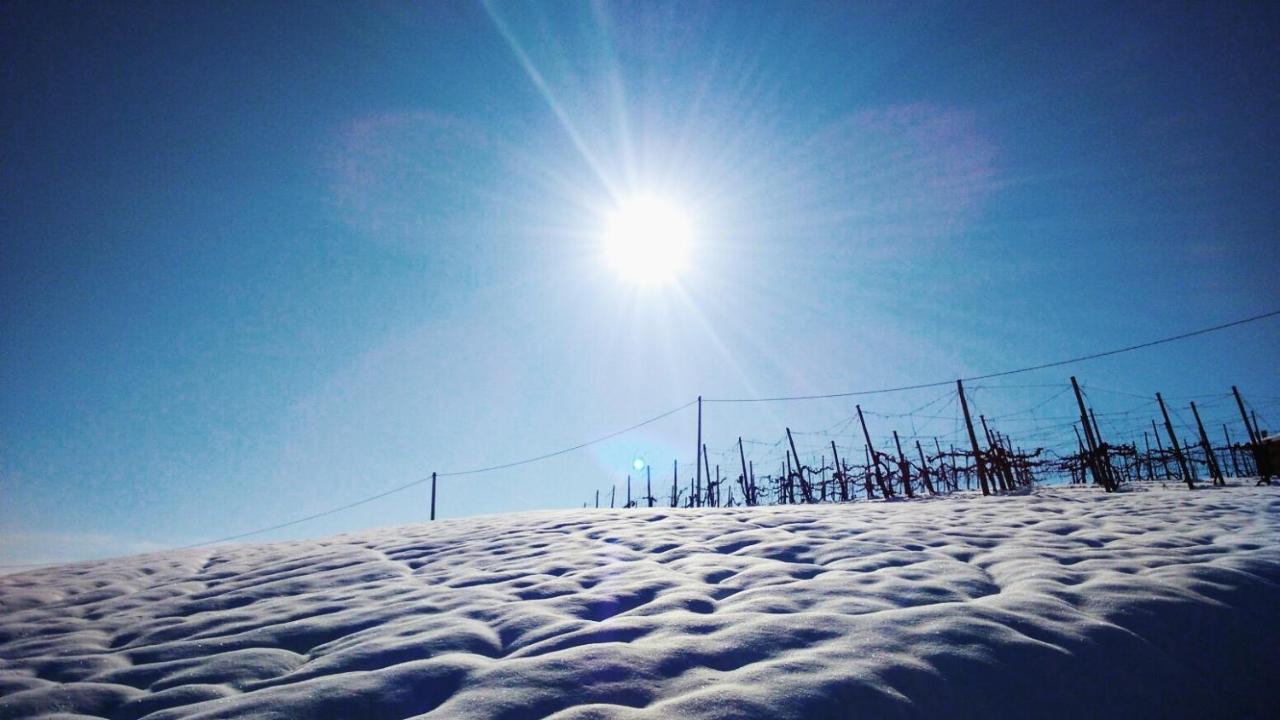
pixel 1066 603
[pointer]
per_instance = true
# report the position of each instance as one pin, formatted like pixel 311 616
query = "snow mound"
pixel 1057 603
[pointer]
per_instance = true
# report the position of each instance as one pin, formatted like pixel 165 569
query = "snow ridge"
pixel 1059 603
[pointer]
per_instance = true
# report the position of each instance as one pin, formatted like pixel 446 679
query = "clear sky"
pixel 260 259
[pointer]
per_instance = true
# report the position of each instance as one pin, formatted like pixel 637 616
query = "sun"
pixel 647 239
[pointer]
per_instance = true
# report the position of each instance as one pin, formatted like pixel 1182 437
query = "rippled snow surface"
pixel 1061 603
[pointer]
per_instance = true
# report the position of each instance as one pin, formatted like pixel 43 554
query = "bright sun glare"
pixel 647 240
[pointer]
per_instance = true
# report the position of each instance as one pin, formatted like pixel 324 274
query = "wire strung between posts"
pixel 546 456
pixel 549 455
pixel 420 481
pixel 988 376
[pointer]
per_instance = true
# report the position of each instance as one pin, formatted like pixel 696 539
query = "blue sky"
pixel 261 259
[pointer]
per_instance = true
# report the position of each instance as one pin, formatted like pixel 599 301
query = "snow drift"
pixel 1064 602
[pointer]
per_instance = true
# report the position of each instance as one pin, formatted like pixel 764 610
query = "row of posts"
pixel 999 468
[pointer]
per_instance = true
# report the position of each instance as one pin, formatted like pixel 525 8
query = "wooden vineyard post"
pixel 1173 440
pixel 866 473
pixel 1214 471
pixel 1164 461
pixel 973 440
pixel 903 467
pixel 1260 461
pixel 1098 476
pixel 613 491
pixel 942 468
pixel 1231 449
pixel 697 460
pixel 706 467
pixel 715 500
pixel 840 476
pixel 1151 466
pixel 1104 450
pixel 433 496
pixel 648 483
pixel 628 491
pixel 924 470
pixel 804 484
pixel 999 466
pixel 746 479
pixel 675 483
pixel 872 459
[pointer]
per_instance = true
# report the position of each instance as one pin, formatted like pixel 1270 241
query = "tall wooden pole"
pixel 1104 451
pixel 871 459
pixel 628 491
pixel 1231 449
pixel 804 484
pixel 1214 471
pixel 675 483
pixel 706 467
pixel 1164 461
pixel 904 468
pixel 839 476
pixel 973 440
pixel 648 483
pixel 1177 450
pixel 697 460
pixel 942 467
pixel 1084 457
pixel 924 470
pixel 746 479
pixel 433 496
pixel 1151 466
pixel 1260 461
pixel 999 467
pixel 1094 466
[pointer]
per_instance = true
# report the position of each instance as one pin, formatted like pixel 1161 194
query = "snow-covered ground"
pixel 1063 602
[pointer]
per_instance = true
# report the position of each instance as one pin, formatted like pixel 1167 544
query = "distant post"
pixel 973 440
pixel 697 461
pixel 1099 476
pixel 904 468
pixel 872 460
pixel 1177 450
pixel 1260 461
pixel 1214 471
pixel 433 496
pixel 648 483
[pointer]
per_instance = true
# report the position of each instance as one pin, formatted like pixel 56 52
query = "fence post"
pixel 1099 476
pixel 903 467
pixel 1260 461
pixel 1231 449
pixel 697 460
pixel 648 483
pixel 924 470
pixel 433 496
pixel 839 476
pixel 973 440
pixel 1214 471
pixel 1173 440
pixel 872 460
pixel 675 483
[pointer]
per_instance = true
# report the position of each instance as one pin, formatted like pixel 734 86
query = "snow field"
pixel 1061 602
